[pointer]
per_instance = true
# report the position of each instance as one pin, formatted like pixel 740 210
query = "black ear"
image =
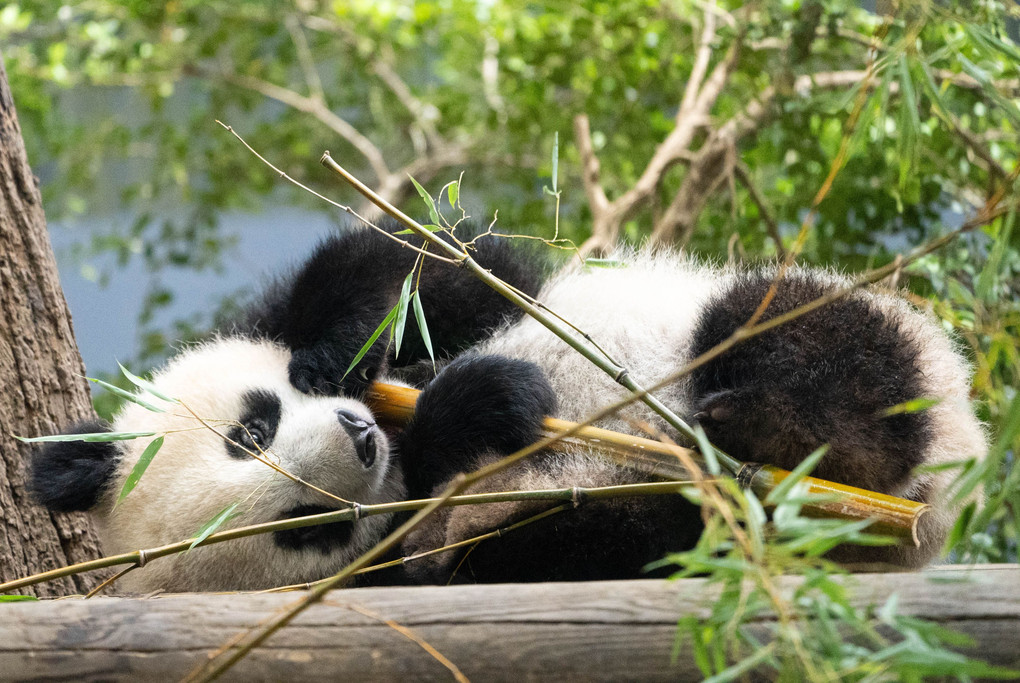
pixel 71 475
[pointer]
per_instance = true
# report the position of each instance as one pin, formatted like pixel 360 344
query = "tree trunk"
pixel 42 388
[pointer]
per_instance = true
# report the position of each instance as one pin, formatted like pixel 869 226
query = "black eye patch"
pixel 260 415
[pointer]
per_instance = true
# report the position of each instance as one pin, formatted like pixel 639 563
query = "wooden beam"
pixel 614 630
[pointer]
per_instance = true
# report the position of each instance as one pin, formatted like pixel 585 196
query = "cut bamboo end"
pixel 891 516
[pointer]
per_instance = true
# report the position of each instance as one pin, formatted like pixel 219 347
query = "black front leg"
pixel 478 405
pixel 329 308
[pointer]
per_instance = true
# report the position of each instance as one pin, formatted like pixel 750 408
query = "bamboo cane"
pixel 891 516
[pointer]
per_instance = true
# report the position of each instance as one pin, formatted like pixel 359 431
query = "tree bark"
pixel 42 386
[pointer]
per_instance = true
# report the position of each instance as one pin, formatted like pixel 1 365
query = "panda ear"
pixel 72 475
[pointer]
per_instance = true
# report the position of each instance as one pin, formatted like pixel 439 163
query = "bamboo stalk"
pixel 892 516
pixel 138 558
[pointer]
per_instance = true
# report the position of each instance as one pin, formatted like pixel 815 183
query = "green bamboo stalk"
pixel 346 515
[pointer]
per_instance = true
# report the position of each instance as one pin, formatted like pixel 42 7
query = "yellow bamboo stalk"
pixel 892 516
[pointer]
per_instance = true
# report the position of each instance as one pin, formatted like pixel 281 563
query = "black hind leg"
pixel 825 378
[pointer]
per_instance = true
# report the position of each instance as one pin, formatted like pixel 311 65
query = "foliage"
pixel 118 99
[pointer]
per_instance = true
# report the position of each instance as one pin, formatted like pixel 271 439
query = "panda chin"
pixel 326 538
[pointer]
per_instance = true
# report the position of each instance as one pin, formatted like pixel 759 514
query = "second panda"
pixel 275 379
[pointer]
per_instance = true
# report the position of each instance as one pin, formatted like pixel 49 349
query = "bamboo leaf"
pixel 780 492
pixel 145 384
pixel 959 529
pixel 126 395
pixel 915 405
pixel 18 598
pixel 139 469
pixel 90 437
pixel 742 667
pixel 423 328
pixel 371 340
pixel 990 43
pixel 224 516
pixel 452 189
pixel 401 318
pixel 707 451
pixel 604 263
pixel 433 214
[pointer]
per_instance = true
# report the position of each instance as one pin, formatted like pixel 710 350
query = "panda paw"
pixel 478 406
pixel 320 370
pixel 491 400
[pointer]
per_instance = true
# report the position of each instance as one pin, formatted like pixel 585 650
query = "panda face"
pixel 240 390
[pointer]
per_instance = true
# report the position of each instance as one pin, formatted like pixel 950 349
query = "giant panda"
pixel 275 378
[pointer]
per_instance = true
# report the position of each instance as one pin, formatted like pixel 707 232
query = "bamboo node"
pixel 576 496
pixel 356 507
pixel 746 474
pixel 142 559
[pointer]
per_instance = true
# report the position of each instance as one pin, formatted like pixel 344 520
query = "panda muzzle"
pixel 362 432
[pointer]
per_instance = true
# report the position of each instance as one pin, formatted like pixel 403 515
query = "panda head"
pixel 241 391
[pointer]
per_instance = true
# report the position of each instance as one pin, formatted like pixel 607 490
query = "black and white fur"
pixel 824 378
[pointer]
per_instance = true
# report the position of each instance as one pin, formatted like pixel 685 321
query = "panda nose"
pixel 362 432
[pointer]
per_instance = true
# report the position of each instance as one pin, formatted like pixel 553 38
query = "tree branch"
pixel 700 68
pixel 309 105
pixel 304 54
pixel 424 115
pixel 744 176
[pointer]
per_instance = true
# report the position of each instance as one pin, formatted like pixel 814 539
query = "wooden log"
pixel 612 631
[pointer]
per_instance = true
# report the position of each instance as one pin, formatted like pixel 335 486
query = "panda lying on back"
pixel 825 378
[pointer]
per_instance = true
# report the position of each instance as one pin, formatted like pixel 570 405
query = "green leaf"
pixel 18 598
pixel 799 472
pixel 423 328
pixel 139 469
pixel 742 667
pixel 433 214
pixel 707 451
pixel 959 529
pixel 90 437
pixel 401 319
pixel 126 395
pixel 145 384
pixel 224 516
pixel 452 192
pixel 914 405
pixel 371 340
pixel 604 263
pixel 428 227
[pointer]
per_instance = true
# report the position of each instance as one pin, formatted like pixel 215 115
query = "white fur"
pixel 643 314
pixel 193 477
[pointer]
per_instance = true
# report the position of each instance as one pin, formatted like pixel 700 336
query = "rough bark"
pixel 41 372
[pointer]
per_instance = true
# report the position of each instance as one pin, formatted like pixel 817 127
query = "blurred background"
pixel 727 130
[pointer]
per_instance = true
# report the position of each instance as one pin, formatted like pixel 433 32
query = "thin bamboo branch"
pixel 144 556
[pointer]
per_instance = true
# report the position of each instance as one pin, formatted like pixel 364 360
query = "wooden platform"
pixel 611 631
